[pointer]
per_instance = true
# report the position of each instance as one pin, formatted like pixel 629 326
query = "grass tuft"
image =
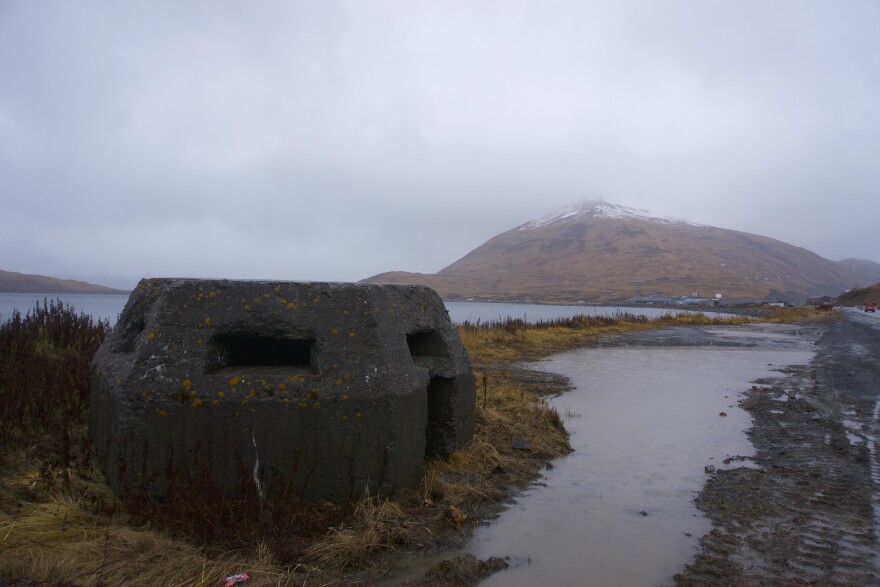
pixel 376 524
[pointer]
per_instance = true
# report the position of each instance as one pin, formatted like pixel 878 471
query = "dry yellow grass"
pixel 798 314
pixel 59 540
pixel 75 532
pixel 376 524
pixel 505 412
pixel 514 340
pixel 58 526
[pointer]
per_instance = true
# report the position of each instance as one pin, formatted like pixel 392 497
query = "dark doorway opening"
pixel 440 429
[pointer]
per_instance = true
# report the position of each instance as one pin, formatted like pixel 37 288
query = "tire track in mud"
pixel 807 514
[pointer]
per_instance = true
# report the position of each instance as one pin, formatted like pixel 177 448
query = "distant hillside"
pixel 600 252
pixel 857 297
pixel 11 282
pixel 867 270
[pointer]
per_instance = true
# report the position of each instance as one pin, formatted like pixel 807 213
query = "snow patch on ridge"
pixel 600 209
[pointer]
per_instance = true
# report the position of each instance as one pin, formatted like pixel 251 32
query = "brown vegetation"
pixel 858 297
pixel 60 523
pixel 797 314
pixel 517 340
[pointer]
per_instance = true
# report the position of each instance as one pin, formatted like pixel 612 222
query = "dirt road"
pixel 807 514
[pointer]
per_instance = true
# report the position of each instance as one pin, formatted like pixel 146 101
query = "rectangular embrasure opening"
pixel 248 350
pixel 426 344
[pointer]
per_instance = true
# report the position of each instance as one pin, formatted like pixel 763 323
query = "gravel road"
pixel 808 513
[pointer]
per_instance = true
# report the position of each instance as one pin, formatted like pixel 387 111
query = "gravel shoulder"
pixel 806 514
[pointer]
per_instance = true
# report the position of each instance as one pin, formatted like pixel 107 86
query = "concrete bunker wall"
pixel 331 386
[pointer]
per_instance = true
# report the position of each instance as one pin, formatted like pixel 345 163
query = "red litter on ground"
pixel 233 579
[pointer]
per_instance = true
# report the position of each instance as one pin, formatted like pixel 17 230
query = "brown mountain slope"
pixel 599 252
pixel 859 296
pixel 868 271
pixel 12 282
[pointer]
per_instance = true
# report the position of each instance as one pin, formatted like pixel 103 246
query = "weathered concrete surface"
pixel 327 384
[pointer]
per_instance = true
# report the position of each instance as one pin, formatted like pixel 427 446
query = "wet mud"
pixel 807 515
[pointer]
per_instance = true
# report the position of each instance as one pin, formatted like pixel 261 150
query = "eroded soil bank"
pixel 807 515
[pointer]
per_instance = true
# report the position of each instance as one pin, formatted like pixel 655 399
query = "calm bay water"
pixel 109 306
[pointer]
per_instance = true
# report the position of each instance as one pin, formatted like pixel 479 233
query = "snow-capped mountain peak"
pixel 598 209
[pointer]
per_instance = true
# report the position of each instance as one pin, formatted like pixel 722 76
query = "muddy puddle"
pixel 647 419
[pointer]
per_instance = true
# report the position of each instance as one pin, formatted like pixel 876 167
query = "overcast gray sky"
pixel 335 140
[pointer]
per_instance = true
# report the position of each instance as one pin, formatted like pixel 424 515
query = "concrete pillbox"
pixel 332 385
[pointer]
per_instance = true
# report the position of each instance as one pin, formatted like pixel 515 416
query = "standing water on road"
pixel 645 420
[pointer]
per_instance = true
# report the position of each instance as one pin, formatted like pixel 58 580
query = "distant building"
pixel 822 302
pixel 819 301
pixel 650 300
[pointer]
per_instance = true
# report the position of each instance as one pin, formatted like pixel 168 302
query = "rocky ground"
pixel 806 514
